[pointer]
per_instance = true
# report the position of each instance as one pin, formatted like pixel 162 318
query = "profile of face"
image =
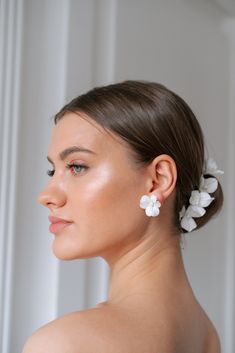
pixel 95 188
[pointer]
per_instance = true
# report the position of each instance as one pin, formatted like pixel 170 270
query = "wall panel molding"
pixel 229 30
pixel 34 292
pixel 105 20
pixel 11 18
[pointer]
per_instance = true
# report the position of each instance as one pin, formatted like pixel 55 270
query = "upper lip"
pixel 54 219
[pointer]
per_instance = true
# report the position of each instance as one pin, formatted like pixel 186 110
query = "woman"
pixel 128 177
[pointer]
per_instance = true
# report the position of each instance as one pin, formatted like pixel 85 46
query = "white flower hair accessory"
pixel 200 198
pixel 211 167
pixel 151 205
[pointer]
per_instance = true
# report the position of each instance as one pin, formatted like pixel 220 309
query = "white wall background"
pixel 53 50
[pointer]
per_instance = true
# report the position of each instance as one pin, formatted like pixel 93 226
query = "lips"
pixel 57 224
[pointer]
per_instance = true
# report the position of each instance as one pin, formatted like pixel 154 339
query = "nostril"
pixel 52 197
pixel 45 198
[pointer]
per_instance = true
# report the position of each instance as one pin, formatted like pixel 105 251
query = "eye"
pixel 76 168
pixel 50 173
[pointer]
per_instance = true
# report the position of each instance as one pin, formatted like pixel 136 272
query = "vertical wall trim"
pixel 229 30
pixel 104 41
pixel 11 44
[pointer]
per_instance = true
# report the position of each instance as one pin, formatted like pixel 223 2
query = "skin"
pixel 150 307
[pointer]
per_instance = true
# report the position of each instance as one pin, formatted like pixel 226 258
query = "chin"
pixel 66 253
pixel 62 256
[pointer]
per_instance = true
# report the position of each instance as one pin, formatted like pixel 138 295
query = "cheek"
pixel 106 214
pixel 110 207
pixel 108 194
pixel 110 204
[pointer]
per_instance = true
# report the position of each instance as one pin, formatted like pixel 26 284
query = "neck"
pixel 145 267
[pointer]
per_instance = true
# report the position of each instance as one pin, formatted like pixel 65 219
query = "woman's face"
pixel 95 189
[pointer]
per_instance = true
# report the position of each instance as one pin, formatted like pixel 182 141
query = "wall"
pixel 59 49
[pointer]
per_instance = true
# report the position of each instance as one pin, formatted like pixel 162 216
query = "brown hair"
pixel 153 121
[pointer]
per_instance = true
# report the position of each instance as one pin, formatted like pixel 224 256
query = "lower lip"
pixel 57 227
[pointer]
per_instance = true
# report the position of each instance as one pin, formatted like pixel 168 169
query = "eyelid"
pixel 73 163
pixel 72 166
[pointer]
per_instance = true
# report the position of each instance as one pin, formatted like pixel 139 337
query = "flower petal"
pixel 188 223
pixel 155 211
pixel 145 201
pixel 205 199
pixel 195 211
pixel 149 211
pixel 158 204
pixel 209 185
pixel 195 197
pixel 153 198
pixel 211 167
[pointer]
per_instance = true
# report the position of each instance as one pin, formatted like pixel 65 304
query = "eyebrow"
pixel 65 153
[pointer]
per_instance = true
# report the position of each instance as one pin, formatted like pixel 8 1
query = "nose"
pixel 52 197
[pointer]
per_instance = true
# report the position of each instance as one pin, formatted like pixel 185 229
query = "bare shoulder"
pixel 115 329
pixel 93 330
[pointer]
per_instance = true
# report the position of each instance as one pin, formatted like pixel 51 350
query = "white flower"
pixel 211 167
pixel 151 205
pixel 188 223
pixel 200 199
pixel 208 185
pixel 195 211
pixel 186 216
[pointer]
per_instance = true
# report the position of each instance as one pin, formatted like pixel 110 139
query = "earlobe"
pixel 164 176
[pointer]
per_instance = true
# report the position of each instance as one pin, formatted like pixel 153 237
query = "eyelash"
pixel 71 167
pixel 50 173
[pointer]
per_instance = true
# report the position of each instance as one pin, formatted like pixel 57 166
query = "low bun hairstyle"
pixel 153 121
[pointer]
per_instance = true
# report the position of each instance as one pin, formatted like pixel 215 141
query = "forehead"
pixel 78 129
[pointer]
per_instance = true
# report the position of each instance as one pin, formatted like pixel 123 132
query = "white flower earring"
pixel 151 205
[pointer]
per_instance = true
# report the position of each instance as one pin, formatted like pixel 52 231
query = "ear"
pixel 162 179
